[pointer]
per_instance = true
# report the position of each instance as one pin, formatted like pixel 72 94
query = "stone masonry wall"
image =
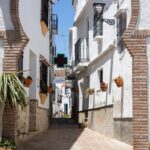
pixel 135 41
pixel 14 42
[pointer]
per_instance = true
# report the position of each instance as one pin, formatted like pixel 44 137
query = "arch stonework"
pixel 14 42
pixel 135 41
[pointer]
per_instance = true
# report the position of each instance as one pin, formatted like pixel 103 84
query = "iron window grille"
pixel 81 51
pixel 54 23
pixel 98 23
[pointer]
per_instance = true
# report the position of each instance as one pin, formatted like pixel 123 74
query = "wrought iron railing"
pixel 81 51
pixel 54 23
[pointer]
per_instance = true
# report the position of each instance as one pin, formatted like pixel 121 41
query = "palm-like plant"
pixel 12 91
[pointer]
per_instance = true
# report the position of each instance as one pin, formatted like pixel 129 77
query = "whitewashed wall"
pixel 30 15
pixel 144 15
pixel 112 62
pixel 5 16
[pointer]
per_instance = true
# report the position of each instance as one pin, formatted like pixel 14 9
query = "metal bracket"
pixel 109 21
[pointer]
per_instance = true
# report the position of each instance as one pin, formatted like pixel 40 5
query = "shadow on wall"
pixel 11 21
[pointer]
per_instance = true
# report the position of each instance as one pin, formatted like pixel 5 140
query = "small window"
pixel 121 27
pixel 44 16
pixel 101 75
pixel 98 24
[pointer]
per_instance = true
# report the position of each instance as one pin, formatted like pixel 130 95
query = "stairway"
pixel 62 123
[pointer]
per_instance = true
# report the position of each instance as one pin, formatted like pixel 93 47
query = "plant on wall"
pixel 119 81
pixel 43 87
pixel 11 91
pixel 27 81
pixel 6 144
pixel 103 86
pixel 89 91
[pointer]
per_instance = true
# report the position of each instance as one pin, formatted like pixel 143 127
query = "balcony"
pixel 54 24
pixel 81 55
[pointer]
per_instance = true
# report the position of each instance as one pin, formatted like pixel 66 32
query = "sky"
pixel 65 12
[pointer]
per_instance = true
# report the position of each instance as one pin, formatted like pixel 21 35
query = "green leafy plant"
pixel 11 90
pixel 43 87
pixel 5 143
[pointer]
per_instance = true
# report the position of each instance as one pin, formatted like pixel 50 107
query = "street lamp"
pixel 99 8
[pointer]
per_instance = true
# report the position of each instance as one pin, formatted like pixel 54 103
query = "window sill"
pixel 98 38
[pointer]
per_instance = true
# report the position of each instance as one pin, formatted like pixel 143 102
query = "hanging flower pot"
pixel 119 81
pixel 89 91
pixel 43 97
pixel 49 90
pixel 103 86
pixel 27 81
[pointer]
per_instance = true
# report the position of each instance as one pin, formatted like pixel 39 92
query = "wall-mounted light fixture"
pixel 98 9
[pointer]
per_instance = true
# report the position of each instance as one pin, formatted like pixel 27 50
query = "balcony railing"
pixel 81 51
pixel 54 24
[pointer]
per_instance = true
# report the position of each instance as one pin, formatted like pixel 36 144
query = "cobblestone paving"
pixel 72 138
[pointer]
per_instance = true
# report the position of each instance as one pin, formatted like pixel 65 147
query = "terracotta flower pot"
pixel 91 91
pixel 43 97
pixel 119 81
pixel 49 90
pixel 103 86
pixel 27 82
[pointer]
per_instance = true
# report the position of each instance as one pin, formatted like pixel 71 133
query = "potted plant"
pixel 89 91
pixel 27 81
pixel 6 144
pixel 43 91
pixel 49 89
pixel 11 91
pixel 119 81
pixel 103 86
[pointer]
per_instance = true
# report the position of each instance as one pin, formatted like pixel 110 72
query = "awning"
pixel 45 61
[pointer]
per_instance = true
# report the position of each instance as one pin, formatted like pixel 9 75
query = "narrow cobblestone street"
pixel 69 137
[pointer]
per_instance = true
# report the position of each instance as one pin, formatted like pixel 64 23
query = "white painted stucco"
pixel 5 16
pixel 38 44
pixel 144 15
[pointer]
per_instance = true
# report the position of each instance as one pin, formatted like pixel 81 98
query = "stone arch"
pixel 135 41
pixel 14 42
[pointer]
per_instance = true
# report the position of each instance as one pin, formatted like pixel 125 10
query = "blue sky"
pixel 65 12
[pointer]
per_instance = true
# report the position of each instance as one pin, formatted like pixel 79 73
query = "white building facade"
pixel 62 103
pixel 26 34
pixel 102 50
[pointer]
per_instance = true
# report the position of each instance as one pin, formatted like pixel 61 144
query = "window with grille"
pixel 44 11
pixel 98 24
pixel 20 66
pixel 43 75
pixel 121 27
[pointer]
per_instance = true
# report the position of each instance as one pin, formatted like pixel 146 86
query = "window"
pixel 101 75
pixel 43 76
pixel 20 66
pixel 98 23
pixel 121 27
pixel 44 16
